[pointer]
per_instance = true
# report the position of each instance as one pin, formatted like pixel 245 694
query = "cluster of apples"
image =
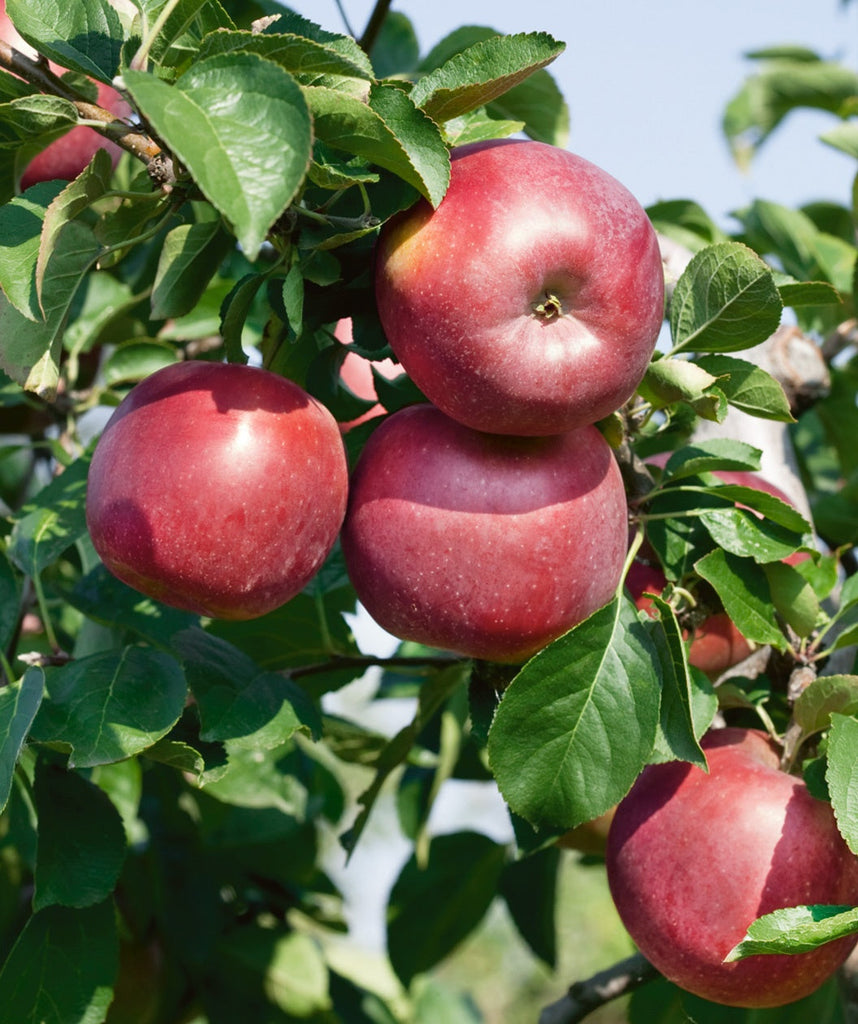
pixel 493 518
pixel 486 521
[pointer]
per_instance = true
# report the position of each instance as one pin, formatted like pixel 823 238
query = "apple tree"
pixel 172 771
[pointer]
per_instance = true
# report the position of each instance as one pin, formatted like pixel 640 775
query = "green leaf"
pixel 709 456
pixel 105 599
pixel 188 23
pixel 529 888
pixel 286 965
pixel 31 352
pixel 795 930
pixel 306 58
pixel 793 597
pixel 46 980
pixel 52 521
pixel 744 592
pixel 234 312
pixel 21 223
pixel 745 534
pixel 423 928
pixel 85 36
pixel 807 293
pixel 825 696
pixel 81 842
pixel 671 380
pixel 748 387
pixel 249 176
pixel 843 137
pixel 10 601
pixel 237 700
pixel 111 705
pixel 190 257
pixel 390 132
pixel 782 86
pixel 433 695
pixel 90 185
pixel 578 722
pixel 19 702
pixel 726 300
pixel 482 73
pixel 131 361
pixel 688 701
pixel 842 776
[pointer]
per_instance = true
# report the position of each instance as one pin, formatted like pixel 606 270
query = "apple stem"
pixel 550 308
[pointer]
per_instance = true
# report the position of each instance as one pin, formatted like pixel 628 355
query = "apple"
pixel 486 545
pixel 67 156
pixel 529 302
pixel 217 488
pixel 694 858
pixel 356 374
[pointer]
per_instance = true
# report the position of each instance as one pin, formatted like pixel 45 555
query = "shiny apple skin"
pixel 457 290
pixel 486 545
pixel 693 858
pixel 217 488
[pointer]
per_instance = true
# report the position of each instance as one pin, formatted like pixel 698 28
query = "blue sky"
pixel 647 84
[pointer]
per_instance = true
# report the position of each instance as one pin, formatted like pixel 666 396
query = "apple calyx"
pixel 550 308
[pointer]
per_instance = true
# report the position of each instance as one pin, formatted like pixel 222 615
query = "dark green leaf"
pixel 19 702
pixel 422 928
pixel 110 706
pixel 190 257
pixel 85 36
pixel 81 844
pixel 46 980
pixel 237 700
pixel 578 723
pixel 529 887
pixel 688 702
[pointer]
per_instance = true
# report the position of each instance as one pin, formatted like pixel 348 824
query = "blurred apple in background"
pixel 356 374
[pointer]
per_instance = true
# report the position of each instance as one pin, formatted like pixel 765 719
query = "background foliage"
pixel 169 784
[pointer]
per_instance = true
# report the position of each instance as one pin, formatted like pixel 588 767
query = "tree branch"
pixel 38 73
pixel 586 996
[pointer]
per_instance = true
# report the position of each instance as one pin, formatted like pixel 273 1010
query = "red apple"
pixel 66 157
pixel 217 488
pixel 530 301
pixel 487 545
pixel 693 858
pixel 356 374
